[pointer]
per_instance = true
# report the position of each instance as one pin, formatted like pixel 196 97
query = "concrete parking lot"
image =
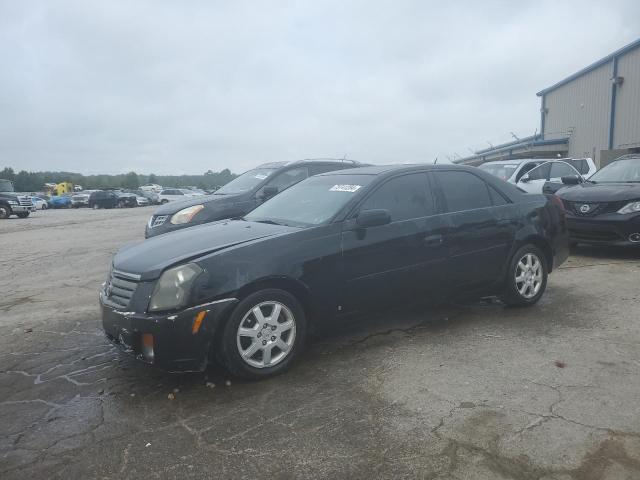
pixel 462 391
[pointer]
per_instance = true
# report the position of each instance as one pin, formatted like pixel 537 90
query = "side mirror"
pixel 525 178
pixel 373 218
pixel 571 180
pixel 269 191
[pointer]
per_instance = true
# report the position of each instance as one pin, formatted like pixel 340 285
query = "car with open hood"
pixel 246 292
pixel 605 209
pixel 240 195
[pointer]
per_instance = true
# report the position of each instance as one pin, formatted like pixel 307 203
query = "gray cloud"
pixel 181 87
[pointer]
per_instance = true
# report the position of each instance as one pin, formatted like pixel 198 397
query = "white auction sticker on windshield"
pixel 260 176
pixel 345 188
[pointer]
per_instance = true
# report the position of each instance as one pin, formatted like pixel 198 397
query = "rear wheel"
pixel 526 277
pixel 264 334
pixel 163 201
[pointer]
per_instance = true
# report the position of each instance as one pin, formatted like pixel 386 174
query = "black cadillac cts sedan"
pixel 247 291
pixel 605 209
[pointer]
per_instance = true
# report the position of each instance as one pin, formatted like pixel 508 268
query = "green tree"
pixel 130 181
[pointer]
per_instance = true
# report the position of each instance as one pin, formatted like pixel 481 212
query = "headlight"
pixel 633 207
pixel 13 202
pixel 186 214
pixel 173 287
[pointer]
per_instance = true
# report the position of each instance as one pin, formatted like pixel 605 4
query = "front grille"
pixel 593 208
pixel 158 220
pixel 120 288
pixel 24 201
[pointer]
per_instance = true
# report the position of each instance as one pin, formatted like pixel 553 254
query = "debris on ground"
pixel 560 364
pixel 210 385
pixel 147 445
pixel 228 383
pixel 176 390
pixel 171 396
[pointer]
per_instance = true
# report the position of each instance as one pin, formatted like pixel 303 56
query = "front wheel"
pixel 526 277
pixel 23 214
pixel 264 334
pixel 5 212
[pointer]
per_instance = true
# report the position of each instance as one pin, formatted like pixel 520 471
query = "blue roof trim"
pixel 593 66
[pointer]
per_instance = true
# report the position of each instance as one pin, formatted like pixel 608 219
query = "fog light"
pixel 147 347
pixel 634 237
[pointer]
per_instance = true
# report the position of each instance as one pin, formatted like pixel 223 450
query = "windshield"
pixel 618 171
pixel 311 202
pixel 6 186
pixel 246 181
pixel 503 171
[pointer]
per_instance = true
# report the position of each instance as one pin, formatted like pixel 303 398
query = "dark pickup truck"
pixel 13 204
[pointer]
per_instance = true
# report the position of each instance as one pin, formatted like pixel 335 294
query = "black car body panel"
pixel 222 206
pixel 334 268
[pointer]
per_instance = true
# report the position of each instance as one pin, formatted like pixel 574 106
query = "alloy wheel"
pixel 266 334
pixel 529 275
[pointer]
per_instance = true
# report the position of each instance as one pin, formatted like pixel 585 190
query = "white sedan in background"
pixel 533 181
pixel 172 194
pixel 39 203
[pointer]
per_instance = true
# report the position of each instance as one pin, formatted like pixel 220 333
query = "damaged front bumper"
pixel 169 341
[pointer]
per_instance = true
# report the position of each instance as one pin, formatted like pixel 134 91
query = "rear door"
pixel 480 228
pixel 391 263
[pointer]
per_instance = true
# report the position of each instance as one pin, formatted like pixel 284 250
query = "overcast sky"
pixel 186 86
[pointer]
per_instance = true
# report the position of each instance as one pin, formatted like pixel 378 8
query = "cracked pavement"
pixel 473 391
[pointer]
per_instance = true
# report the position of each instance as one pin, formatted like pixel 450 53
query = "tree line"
pixel 34 181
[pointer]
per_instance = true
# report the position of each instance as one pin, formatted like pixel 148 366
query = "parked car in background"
pixel 81 199
pixel 240 195
pixel 150 195
pixel 103 199
pixel 585 166
pixel 248 291
pixel 548 173
pixel 39 203
pixel 142 201
pixel 60 201
pixel 173 194
pixel 126 199
pixel 605 209
pixel 511 170
pixel 152 187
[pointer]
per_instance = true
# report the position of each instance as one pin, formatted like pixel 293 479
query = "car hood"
pixel 149 258
pixel 600 192
pixel 210 201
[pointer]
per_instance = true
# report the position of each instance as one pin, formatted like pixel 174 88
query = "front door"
pixel 398 261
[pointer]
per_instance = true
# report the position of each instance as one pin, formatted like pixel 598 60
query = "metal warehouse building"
pixel 593 113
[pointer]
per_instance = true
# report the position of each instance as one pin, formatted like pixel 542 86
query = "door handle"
pixel 433 240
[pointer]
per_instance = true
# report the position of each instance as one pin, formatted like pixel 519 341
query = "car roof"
pixel 518 161
pixel 310 161
pixel 390 169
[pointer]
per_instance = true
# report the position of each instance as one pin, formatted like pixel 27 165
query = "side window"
pixel 496 197
pixel 287 178
pixel 316 169
pixel 560 169
pixel 526 168
pixel 463 191
pixel 581 165
pixel 541 172
pixel 405 197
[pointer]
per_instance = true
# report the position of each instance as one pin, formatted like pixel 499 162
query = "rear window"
pixel 463 191
pixel 581 165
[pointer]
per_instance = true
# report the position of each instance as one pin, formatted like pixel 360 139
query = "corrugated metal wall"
pixel 582 109
pixel 627 116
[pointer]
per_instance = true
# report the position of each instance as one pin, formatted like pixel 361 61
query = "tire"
pixel 251 366
pixel 44 206
pixel 5 212
pixel 23 214
pixel 528 290
pixel 163 201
